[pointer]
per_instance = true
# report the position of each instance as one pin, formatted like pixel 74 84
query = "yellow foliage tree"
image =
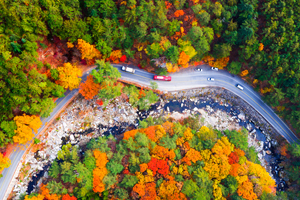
pixel 38 197
pixel 217 164
pixel 25 125
pixel 262 177
pixel 69 76
pixel 188 135
pixel 172 67
pixel 206 133
pixel 70 45
pixel 159 132
pixel 217 191
pixel 87 50
pixel 221 62
pixel 190 51
pixel 223 146
pixel 4 162
pixel 244 73
pixel 167 189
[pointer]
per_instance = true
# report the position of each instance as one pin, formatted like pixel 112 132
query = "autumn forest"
pixel 46 46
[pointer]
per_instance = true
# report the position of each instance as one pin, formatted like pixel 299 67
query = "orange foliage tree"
pixel 221 62
pixel 261 47
pixel 89 88
pixel 245 190
pixel 168 126
pixel 168 5
pixel 244 73
pixel 100 171
pixel 162 153
pixel 69 76
pixel 46 193
pixel 192 155
pixel 150 132
pixel 143 167
pixel 183 59
pixel 140 189
pixel 179 13
pixel 115 56
pixel 150 191
pixel 87 50
pixel 26 124
pixel 129 134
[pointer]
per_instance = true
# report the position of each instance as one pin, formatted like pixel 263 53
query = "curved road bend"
pixel 186 79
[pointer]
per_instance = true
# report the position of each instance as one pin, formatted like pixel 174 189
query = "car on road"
pixel 214 68
pixel 211 79
pixel 162 78
pixel 198 69
pixel 240 87
pixel 128 69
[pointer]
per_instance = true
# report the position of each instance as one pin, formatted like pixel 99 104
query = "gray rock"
pixel 242 116
pixel 116 119
pixel 268 152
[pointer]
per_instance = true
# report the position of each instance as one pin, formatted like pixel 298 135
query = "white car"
pixel 240 87
pixel 214 68
pixel 198 69
pixel 211 79
pixel 128 69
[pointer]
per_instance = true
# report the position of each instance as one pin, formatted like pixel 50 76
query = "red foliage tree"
pixel 160 166
pixel 233 158
pixel 123 58
pixel 68 197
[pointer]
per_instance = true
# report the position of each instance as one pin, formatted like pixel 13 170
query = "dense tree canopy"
pixel 158 161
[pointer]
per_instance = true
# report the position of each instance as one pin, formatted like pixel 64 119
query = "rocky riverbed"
pixel 83 120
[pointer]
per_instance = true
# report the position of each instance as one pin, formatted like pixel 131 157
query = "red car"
pixel 162 78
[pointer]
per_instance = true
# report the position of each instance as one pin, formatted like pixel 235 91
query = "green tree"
pixel 129 181
pixel 172 54
pixel 114 167
pixel 239 139
pixel 54 170
pixel 153 85
pixel 121 193
pixel 230 183
pixel 222 50
pixel 54 187
pixel 294 148
pixel 234 67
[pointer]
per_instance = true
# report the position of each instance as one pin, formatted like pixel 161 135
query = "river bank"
pixel 83 120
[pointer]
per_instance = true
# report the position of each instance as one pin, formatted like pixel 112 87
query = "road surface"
pixel 186 79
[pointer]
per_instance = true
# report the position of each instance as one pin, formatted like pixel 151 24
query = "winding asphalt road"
pixel 186 79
